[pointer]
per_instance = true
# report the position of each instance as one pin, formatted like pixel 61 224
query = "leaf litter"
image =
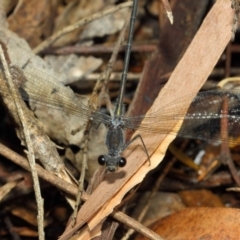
pixel 115 186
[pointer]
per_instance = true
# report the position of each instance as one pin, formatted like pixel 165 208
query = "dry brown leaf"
pixel 189 75
pixel 200 198
pixel 200 223
pixel 32 20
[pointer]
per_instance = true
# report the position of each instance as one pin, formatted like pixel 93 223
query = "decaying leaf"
pixel 199 223
pixel 32 20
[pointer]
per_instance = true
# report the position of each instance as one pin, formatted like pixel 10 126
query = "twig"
pixel 225 152
pixel 136 225
pixel 65 186
pixel 100 49
pixel 31 157
pixel 115 76
pixel 78 24
pixel 82 176
pixel 44 174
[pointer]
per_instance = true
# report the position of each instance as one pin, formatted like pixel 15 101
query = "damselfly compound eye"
pixel 122 162
pixel 101 160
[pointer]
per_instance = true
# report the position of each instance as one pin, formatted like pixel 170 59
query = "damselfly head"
pixel 112 163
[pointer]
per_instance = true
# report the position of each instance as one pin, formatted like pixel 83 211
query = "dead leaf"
pixel 199 223
pixel 32 20
pixel 75 11
pixel 200 198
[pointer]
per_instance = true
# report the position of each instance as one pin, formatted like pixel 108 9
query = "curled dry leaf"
pixel 199 223
pixel 188 75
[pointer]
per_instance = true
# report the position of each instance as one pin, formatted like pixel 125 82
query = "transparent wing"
pixel 44 89
pixel 202 121
pixel 203 118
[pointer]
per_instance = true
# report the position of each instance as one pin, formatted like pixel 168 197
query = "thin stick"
pixel 44 174
pixel 79 24
pixel 225 151
pixel 101 48
pixel 81 179
pixel 30 155
pixel 130 222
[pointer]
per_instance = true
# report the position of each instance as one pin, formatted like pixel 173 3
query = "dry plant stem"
pixel 30 154
pixel 100 48
pixel 225 152
pixel 81 180
pixel 136 225
pixel 235 189
pixel 44 174
pixel 65 186
pixel 115 76
pixel 79 24
pixel 233 170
